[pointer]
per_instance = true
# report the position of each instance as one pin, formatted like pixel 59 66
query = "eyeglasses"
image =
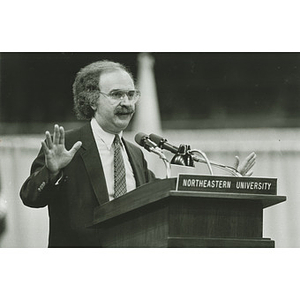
pixel 119 95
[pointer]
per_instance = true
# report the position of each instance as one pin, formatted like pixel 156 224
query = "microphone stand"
pixel 158 151
pixel 185 157
pixel 205 159
pixel 196 158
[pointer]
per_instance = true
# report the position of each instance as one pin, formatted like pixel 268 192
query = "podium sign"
pixel 227 184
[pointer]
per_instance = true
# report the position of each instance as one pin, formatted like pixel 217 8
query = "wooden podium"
pixel 156 215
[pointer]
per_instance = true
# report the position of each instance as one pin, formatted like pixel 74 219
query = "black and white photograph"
pixel 226 123
pixel 149 150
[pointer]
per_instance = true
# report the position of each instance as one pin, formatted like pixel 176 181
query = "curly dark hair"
pixel 86 86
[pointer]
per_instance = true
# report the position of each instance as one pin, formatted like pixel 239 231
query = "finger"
pixel 62 135
pixel 250 164
pixel 56 135
pixel 249 168
pixel 236 162
pixel 75 148
pixel 252 160
pixel 49 140
pixel 250 157
pixel 243 168
pixel 45 148
pixel 246 169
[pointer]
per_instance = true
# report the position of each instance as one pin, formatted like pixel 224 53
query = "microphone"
pixel 182 156
pixel 143 140
pixel 183 153
pixel 163 143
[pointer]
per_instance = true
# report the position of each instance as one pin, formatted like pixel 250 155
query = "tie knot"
pixel 117 140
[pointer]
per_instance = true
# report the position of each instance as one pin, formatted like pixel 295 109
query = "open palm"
pixel 247 164
pixel 56 155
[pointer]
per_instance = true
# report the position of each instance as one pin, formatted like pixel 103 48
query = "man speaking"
pixel 84 168
pixel 78 170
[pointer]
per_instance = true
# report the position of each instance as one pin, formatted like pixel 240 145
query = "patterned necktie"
pixel 119 169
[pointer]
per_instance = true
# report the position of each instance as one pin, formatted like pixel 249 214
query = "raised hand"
pixel 245 167
pixel 56 155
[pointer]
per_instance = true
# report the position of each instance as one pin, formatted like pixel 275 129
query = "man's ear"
pixel 93 106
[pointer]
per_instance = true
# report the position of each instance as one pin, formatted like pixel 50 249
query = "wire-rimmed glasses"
pixel 119 95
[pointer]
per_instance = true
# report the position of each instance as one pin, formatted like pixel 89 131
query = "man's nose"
pixel 125 101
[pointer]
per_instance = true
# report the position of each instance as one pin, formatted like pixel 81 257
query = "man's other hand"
pixel 247 164
pixel 56 155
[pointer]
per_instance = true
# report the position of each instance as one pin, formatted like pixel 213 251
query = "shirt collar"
pixel 106 137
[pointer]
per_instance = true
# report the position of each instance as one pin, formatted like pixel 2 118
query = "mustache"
pixel 124 110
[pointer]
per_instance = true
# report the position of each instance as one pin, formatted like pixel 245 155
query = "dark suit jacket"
pixel 71 202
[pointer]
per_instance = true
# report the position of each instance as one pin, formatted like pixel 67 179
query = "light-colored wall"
pixel 25 227
pixel 278 155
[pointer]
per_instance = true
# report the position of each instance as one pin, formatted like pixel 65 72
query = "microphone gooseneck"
pixel 229 169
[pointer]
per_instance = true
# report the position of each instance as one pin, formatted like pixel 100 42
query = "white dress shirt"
pixel 104 141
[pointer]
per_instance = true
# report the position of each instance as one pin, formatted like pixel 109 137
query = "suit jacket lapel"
pixel 135 160
pixel 90 155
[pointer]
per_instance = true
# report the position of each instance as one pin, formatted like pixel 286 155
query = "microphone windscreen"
pixel 140 138
pixel 156 138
